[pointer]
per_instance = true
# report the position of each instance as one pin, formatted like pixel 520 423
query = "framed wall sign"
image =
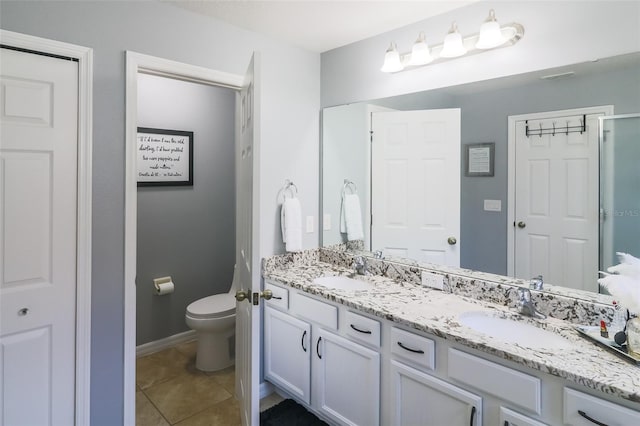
pixel 479 159
pixel 165 157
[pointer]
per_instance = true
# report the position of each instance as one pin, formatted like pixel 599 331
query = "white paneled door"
pixel 38 227
pixel 415 194
pixel 248 324
pixel 556 200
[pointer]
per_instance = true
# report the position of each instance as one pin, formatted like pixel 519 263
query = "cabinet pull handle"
pixel 592 420
pixel 415 351
pixel 473 414
pixel 302 341
pixel 358 330
pixel 318 348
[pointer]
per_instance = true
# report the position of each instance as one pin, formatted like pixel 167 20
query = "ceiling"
pixel 319 26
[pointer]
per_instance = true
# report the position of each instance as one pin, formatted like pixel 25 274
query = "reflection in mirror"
pixel 485 241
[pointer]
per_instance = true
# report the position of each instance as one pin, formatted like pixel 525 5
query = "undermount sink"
pixel 342 283
pixel 511 331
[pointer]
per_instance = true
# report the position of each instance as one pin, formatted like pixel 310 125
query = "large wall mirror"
pixel 577 135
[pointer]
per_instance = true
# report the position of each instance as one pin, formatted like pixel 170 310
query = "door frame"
pixel 511 165
pixel 141 63
pixel 84 56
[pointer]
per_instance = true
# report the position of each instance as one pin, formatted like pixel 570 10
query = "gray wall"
pixel 187 232
pixel 289 130
pixel 484 119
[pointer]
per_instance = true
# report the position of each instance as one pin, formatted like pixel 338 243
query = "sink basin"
pixel 342 283
pixel 512 331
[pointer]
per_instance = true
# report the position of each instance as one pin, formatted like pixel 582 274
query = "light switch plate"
pixel 493 205
pixel 429 279
pixel 326 222
pixel 309 224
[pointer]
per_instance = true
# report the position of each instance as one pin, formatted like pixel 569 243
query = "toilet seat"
pixel 216 306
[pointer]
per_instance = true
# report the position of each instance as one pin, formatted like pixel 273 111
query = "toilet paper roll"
pixel 164 288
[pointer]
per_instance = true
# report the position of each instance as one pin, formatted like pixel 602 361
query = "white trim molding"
pixel 140 63
pixel 511 166
pixel 84 55
pixel 166 343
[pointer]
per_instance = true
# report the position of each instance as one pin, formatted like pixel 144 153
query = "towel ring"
pixel 288 188
pixel 349 185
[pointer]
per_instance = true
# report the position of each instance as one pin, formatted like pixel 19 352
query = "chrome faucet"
pixel 360 265
pixel 526 305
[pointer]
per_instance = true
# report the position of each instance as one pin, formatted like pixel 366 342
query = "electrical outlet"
pixel 432 280
pixel 326 222
pixel 309 224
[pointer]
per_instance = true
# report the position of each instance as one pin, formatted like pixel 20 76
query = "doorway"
pixel 186 231
pixel 553 180
pixel 136 64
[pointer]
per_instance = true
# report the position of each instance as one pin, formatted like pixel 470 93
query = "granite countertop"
pixel 436 312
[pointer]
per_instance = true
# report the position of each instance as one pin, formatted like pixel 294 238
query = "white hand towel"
pixel 351 217
pixel 291 224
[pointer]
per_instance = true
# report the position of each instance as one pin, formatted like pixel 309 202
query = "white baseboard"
pixel 266 389
pixel 167 342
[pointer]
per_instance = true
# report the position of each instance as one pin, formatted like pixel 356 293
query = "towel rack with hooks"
pixel 349 185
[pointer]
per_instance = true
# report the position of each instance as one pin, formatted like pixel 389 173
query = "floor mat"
pixel 289 413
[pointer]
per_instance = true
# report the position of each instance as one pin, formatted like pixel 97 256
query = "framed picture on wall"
pixel 165 157
pixel 479 159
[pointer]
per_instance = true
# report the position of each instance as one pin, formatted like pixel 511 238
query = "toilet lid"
pixel 218 305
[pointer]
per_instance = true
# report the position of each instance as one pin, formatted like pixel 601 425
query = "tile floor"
pixel 171 391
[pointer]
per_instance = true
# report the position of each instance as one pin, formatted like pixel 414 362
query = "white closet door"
pixel 38 168
pixel 416 185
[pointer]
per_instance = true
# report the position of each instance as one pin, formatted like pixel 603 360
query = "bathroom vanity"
pixel 398 353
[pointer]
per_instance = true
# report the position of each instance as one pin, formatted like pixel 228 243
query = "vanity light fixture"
pixel 491 36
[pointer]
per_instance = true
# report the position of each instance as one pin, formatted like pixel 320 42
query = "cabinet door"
pixel 346 381
pixel 421 399
pixel 287 353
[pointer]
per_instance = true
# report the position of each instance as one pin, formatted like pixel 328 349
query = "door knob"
pixel 243 295
pixel 266 294
pixel 452 241
pixel 522 225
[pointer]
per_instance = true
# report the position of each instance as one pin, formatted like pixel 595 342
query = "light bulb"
pixel 490 33
pixel 420 54
pixel 392 61
pixel 452 47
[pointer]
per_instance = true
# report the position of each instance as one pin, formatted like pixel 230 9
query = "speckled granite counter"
pixel 436 312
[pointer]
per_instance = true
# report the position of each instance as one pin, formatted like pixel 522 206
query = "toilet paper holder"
pixel 163 285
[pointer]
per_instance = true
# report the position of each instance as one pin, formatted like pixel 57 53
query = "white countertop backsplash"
pixel 398 296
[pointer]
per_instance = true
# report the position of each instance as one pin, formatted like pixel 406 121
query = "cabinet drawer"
pixel 319 312
pixel 361 328
pixel 511 418
pixel 577 405
pixel 412 347
pixel 280 297
pixel 510 385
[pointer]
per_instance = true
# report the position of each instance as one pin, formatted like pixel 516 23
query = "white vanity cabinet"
pixel 421 399
pixel 287 353
pixel 336 376
pixel 346 380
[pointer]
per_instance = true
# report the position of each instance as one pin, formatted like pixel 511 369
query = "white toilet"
pixel 214 320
